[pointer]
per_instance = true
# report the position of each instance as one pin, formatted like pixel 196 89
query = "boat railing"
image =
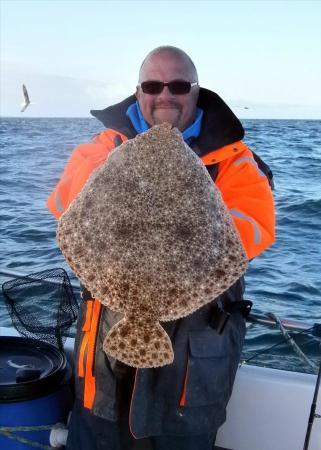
pixel 263 318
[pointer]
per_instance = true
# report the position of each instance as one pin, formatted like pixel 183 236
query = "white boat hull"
pixel 269 409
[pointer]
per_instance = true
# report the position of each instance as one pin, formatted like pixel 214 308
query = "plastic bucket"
pixel 34 392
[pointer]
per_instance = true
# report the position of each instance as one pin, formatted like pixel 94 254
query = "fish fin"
pixel 141 344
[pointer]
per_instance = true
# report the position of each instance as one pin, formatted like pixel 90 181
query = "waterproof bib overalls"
pixel 187 399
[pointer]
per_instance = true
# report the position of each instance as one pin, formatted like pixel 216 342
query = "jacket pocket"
pixel 212 364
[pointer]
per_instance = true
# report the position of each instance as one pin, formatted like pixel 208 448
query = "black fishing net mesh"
pixel 42 305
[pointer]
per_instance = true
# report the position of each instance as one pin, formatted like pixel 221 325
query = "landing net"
pixel 42 305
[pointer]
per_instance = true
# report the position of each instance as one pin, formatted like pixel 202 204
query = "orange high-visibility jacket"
pixel 244 187
pixel 247 194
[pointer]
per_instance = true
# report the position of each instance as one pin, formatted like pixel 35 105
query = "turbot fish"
pixel 150 237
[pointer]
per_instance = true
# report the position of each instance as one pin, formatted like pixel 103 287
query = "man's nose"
pixel 165 93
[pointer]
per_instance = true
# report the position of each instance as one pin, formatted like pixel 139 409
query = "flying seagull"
pixel 26 101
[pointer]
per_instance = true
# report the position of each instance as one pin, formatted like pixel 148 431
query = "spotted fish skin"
pixel 149 344
pixel 150 236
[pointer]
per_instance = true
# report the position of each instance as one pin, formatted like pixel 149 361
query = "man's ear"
pixel 136 92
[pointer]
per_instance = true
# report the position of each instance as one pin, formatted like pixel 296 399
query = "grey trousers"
pixel 89 432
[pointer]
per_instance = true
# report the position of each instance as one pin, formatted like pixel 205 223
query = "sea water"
pixel 285 279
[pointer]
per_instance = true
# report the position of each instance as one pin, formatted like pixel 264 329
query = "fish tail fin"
pixel 139 343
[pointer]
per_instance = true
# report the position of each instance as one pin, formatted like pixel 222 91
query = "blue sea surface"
pixel 285 280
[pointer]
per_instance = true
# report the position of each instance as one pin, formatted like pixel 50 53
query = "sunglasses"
pixel 176 87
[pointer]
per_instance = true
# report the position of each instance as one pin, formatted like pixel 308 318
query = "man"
pixel 179 406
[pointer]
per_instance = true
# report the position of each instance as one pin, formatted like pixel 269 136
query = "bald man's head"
pixel 166 64
pixel 174 52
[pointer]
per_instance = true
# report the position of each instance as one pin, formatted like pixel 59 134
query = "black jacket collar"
pixel 220 126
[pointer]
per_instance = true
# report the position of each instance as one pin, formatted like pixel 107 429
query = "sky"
pixel 262 57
